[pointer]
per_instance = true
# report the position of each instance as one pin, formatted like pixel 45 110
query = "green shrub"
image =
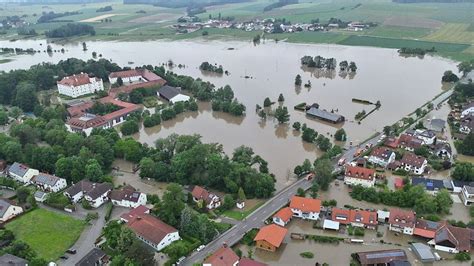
pixel 307 255
pixel 462 256
pixel 248 237
pixel 108 211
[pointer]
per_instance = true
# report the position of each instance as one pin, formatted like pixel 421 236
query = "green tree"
pixel 297 126
pixel 323 169
pixel 418 112
pixel 298 80
pixel 140 253
pixel 129 127
pixel 282 115
pixel 300 192
pixel 228 202
pixel 172 204
pixel 241 194
pixel 281 98
pixel 3 118
pixel 443 201
pixel 466 147
pixel 267 102
pixel 93 171
pixel 22 194
pixel 15 112
pixel 463 171
pixel 422 151
pixel 340 135
pixel 26 96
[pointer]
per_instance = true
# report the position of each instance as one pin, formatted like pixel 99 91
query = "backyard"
pixel 48 233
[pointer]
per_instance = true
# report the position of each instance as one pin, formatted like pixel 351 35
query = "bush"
pixel 92 216
pixel 129 127
pixel 307 255
pixel 57 200
pixel 248 237
pixel 108 211
pixel 86 204
pixel 462 256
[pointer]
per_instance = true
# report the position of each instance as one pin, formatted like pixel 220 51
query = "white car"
pixel 201 247
pixel 180 260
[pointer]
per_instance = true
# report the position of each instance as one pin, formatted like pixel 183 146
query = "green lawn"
pixel 3 61
pixel 240 215
pixel 48 233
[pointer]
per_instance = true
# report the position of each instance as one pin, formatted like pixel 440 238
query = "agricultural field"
pixel 48 233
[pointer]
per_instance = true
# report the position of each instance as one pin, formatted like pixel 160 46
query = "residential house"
pixel 330 224
pixel 127 197
pixel 8 210
pixel 437 125
pixel 40 196
pixel 427 136
pixel 382 156
pixel 409 142
pixel 49 183
pixel 355 175
pixel 467 195
pixel 283 216
pixel 413 163
pixel 210 200
pixel 356 218
pixel 136 212
pixel 468 109
pixel 78 85
pixel 172 94
pixel 21 172
pixel 95 193
pixel 452 239
pixel 432 186
pixel 153 231
pixel 391 142
pixel 402 221
pixel 457 185
pixel 11 260
pixel 224 256
pixel 95 257
pixel 467 124
pixel 425 228
pixel 383 216
pixel 270 237
pixel 305 208
pixel 381 257
pixel 442 150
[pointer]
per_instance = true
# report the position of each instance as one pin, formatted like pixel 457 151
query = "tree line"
pixel 206 66
pixel 71 29
pixel 49 16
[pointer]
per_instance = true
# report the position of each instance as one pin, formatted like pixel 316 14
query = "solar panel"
pixel 385 254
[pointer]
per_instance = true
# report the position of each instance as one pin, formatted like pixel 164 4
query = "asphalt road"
pixel 257 218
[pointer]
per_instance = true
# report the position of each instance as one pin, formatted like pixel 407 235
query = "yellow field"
pixel 452 32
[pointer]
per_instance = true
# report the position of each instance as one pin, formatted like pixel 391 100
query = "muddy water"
pixel 401 84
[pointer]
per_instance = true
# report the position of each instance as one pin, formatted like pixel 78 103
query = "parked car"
pixel 200 247
pixel 64 257
pixel 180 260
pixel 71 251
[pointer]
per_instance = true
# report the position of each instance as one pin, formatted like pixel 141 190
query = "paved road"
pixel 257 218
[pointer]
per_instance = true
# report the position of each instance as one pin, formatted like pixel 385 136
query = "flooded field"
pixel 271 69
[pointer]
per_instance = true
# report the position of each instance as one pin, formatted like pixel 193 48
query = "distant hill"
pixel 433 1
pixel 53 1
pixel 182 3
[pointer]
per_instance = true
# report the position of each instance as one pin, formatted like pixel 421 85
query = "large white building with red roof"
pixel 153 231
pixel 355 175
pixel 78 85
pixel 305 208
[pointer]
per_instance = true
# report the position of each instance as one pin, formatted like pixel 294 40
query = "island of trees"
pixel 327 63
pixel 206 66
pixel 416 51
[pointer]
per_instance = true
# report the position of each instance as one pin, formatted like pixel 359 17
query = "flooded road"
pixel 271 67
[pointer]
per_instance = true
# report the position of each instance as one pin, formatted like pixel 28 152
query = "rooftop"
pixel 354 216
pixel 402 218
pixel 138 211
pixel 413 160
pixel 381 256
pixel 127 193
pixel 428 184
pixel 382 153
pixel 18 169
pixel 273 234
pixel 224 256
pixel 360 172
pixel 284 214
pixel 11 260
pixel 45 179
pixel 91 258
pixel 323 114
pixel 305 204
pixel 150 228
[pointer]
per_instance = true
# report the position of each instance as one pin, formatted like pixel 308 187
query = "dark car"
pixel 64 257
pixel 71 251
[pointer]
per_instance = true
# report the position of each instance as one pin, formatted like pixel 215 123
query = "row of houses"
pixel 410 162
pixel 464 115
pixel 26 175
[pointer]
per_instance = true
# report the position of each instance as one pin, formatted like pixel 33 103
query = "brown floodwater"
pixel 401 85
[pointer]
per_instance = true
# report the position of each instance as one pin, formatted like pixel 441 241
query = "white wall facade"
pixel 11 212
pixel 305 215
pixel 467 111
pixel 446 249
pixel 27 177
pixel 75 198
pixel 414 169
pixel 382 162
pixel 359 181
pixel 96 203
pixel 179 98
pixel 127 79
pixel 166 241
pixel 76 91
pixel 130 204
pixel 58 186
pixel 466 197
pixel 280 222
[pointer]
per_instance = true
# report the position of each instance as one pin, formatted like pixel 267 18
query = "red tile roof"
pixel 75 80
pixel 145 73
pixel 354 216
pixel 409 141
pixel 150 228
pixel 459 237
pixel 360 172
pixel 391 142
pixel 412 159
pixel 305 204
pixel 426 229
pixel 273 234
pixel 402 218
pixel 284 214
pixel 224 256
pixel 138 211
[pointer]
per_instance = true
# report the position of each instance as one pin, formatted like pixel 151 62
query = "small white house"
pixel 283 216
pixel 467 195
pixel 95 193
pixel 211 200
pixel 305 208
pixel 153 231
pixel 468 109
pixel 240 204
pixel 413 163
pixel 427 136
pixel 382 156
pixel 49 183
pixel 127 197
pixel 21 172
pixel 172 94
pixel 8 210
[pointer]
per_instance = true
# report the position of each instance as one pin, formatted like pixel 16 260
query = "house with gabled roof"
pixel 80 84
pixel 172 94
pixel 452 239
pixel 136 212
pixel 414 163
pixel 356 218
pixel 402 221
pixel 49 183
pixel 21 172
pixel 305 208
pixel 270 237
pixel 381 156
pixel 224 256
pixel 425 228
pixel 153 231
pixel 210 200
pixel 409 142
pixel 8 210
pixel 95 193
pixel 283 216
pixel 355 175
pixel 127 197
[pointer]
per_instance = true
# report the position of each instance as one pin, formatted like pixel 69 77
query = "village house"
pixel 452 239
pixel 409 143
pixel 467 124
pixel 21 172
pixel 210 200
pixel 427 136
pixel 153 231
pixel 127 197
pixel 136 212
pixel 224 256
pixel 95 257
pixel 426 229
pixel 457 185
pixel 8 210
pixel 283 216
pixel 356 218
pixel 382 156
pixel 95 193
pixel 467 195
pixel 432 186
pixel 442 150
pixel 78 85
pixel 324 115
pixel 40 196
pixel 49 183
pixel 413 163
pixel 402 221
pixel 359 176
pixel 468 109
pixel 305 208
pixel 270 237
pixel 172 94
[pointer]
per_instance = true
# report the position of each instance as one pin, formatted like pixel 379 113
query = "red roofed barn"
pixel 270 237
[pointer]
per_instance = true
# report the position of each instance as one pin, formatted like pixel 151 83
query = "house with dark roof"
pixel 325 115
pixel 355 175
pixel 409 142
pixel 283 216
pixel 80 84
pixel 437 125
pixel 153 231
pixel 427 136
pixel 402 221
pixel 305 208
pixel 11 260
pixel 356 218
pixel 467 124
pixel 95 193
pixel 431 186
pixel 21 173
pixel 270 237
pixel 467 194
pixel 127 197
pixel 414 163
pixel 442 150
pixel 381 257
pixel 452 239
pixel 8 210
pixel 172 94
pixel 210 200
pixel 382 156
pixel 49 183
pixel 95 257
pixel 224 256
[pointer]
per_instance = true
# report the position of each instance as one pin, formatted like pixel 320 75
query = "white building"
pixel 211 200
pixel 8 210
pixel 21 172
pixel 49 183
pixel 95 193
pixel 127 197
pixel 172 94
pixel 305 208
pixel 452 239
pixel 413 163
pixel 355 175
pixel 468 109
pixel 153 231
pixel 427 136
pixel 382 156
pixel 467 195
pixel 402 221
pixel 283 216
pixel 127 76
pixel 78 85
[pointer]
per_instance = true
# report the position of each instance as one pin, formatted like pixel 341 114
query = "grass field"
pixel 48 233
pixel 240 215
